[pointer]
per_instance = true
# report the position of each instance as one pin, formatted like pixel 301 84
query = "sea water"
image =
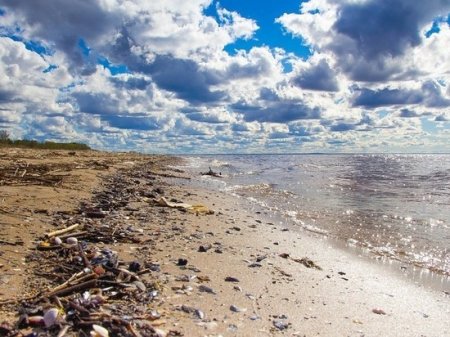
pixel 391 206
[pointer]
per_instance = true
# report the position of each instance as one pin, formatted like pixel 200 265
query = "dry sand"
pixel 278 291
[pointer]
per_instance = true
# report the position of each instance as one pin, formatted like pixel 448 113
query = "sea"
pixel 390 207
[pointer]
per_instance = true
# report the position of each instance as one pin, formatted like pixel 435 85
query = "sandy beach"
pixel 223 269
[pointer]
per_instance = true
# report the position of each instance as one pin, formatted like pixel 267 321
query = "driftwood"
pixel 78 287
pixel 212 173
pixel 62 231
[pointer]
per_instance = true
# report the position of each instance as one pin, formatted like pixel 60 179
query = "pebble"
pixel 280 325
pixel 231 279
pixel 237 309
pixel 378 311
pixel 205 289
pixel 182 262
pixel 134 266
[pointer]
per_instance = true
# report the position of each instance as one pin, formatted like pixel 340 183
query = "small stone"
pixel 134 266
pixel 378 311
pixel 182 262
pixel 205 289
pixel 280 325
pixel 231 279
pixel 204 248
pixel 237 309
pixel 284 255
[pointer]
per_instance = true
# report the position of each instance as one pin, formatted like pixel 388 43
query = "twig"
pixel 75 279
pixel 63 331
pixel 62 231
pixel 86 262
pixel 85 285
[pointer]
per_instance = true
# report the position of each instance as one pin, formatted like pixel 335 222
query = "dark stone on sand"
pixel 158 190
pixel 204 248
pixel 134 266
pixel 182 262
pixel 231 279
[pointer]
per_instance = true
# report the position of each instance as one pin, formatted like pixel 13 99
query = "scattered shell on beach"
pixel 36 320
pixel 231 279
pixel 57 241
pixel 72 241
pixel 200 314
pixel 50 317
pixel 99 331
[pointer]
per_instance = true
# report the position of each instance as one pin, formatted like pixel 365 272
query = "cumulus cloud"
pixel 319 77
pixel 137 72
pixel 369 39
pixel 386 97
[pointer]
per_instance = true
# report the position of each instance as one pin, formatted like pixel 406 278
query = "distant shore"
pixel 222 269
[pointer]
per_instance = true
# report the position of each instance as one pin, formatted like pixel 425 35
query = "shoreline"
pixel 251 278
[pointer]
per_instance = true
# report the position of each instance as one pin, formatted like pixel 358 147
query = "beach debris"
pixel 231 279
pixel 197 209
pixel 308 263
pixel 282 272
pixel 210 172
pixel 284 255
pixel 378 311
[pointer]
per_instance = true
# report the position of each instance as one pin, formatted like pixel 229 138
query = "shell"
pixel 99 331
pixel 36 320
pixel 50 317
pixel 72 241
pixel 160 333
pixel 57 241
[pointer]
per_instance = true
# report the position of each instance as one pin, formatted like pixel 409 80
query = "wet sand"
pixel 273 293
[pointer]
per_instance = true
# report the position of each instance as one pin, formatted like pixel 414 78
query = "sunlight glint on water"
pixel 395 206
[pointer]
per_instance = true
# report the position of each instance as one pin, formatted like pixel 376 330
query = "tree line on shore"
pixel 6 141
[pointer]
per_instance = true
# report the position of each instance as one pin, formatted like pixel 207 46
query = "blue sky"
pixel 208 76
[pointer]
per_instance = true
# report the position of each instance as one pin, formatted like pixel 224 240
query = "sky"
pixel 247 76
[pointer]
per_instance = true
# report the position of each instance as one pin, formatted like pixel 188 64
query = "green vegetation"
pixel 5 141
